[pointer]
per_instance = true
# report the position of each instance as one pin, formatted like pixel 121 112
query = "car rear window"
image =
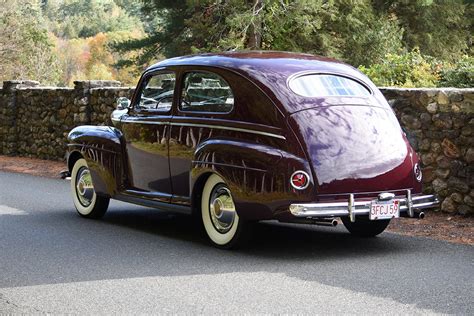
pixel 318 85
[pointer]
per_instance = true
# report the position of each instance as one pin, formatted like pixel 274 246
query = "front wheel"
pixel 223 225
pixel 364 227
pixel 87 202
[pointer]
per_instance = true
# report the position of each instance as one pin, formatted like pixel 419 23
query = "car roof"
pixel 270 70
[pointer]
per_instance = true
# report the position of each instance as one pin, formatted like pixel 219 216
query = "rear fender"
pixel 258 175
pixel 101 147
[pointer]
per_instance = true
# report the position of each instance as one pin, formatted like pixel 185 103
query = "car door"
pixel 205 99
pixel 145 128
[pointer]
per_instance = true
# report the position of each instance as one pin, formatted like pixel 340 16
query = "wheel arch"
pixel 73 156
pixel 196 193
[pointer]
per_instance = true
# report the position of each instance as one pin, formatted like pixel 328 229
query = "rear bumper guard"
pixel 410 206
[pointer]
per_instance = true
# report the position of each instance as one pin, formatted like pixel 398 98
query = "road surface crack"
pixel 5 301
pixel 12 307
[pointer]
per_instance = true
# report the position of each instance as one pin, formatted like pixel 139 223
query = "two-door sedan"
pixel 240 137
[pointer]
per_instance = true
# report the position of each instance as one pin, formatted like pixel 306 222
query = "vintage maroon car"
pixel 240 137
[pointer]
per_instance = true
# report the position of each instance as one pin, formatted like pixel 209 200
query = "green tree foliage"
pixel 116 38
pixel 84 32
pixel 459 74
pixel 165 25
pixel 407 70
pixel 26 51
pixel 361 32
pixel 77 18
pixel 438 28
pixel 348 29
pixel 416 70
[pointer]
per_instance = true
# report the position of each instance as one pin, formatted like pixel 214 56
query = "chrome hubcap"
pixel 222 209
pixel 84 187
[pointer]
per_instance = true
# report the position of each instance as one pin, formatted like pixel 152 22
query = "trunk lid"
pixel 355 148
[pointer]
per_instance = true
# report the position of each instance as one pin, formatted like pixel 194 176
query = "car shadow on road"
pixel 269 239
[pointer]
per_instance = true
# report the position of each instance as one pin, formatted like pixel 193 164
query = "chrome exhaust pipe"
pixel 416 215
pixel 332 222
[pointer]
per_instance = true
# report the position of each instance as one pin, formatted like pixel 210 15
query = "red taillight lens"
pixel 299 180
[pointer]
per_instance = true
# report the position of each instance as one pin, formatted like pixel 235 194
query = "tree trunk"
pixel 255 29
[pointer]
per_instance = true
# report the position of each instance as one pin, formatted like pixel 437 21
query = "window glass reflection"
pixel 317 85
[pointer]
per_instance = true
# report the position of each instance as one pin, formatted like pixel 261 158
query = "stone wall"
pixel 34 122
pixel 440 126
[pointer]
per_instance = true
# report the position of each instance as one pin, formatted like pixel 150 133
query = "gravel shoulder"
pixel 436 225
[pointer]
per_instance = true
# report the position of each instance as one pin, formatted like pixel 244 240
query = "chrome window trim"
pixel 229 128
pixel 147 75
pixel 333 73
pixel 180 96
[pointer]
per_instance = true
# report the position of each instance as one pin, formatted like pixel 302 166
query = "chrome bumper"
pixel 408 204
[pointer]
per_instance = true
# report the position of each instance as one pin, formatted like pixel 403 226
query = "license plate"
pixel 384 209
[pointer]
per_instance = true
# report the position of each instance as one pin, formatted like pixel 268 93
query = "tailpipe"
pixel 416 215
pixel 325 222
pixel 331 222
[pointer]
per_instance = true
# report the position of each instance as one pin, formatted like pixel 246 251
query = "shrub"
pixel 407 70
pixel 460 75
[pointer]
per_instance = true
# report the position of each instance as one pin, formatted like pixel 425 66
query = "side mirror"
pixel 123 103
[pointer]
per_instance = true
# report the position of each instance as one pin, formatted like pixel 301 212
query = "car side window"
pixel 206 92
pixel 157 92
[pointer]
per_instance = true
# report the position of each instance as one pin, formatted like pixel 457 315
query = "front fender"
pixel 102 148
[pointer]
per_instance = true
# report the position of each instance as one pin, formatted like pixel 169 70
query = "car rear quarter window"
pixel 206 92
pixel 321 85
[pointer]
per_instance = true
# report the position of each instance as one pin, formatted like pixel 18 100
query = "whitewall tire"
pixel 219 217
pixel 87 202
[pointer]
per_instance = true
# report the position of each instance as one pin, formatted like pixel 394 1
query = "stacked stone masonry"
pixel 35 121
pixel 440 125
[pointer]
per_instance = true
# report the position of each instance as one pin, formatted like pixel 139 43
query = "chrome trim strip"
pixel 236 129
pixel 356 194
pixel 337 209
pixel 145 122
pixel 226 165
pixel 92 147
pixel 229 128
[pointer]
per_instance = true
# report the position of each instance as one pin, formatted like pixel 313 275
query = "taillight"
pixel 299 180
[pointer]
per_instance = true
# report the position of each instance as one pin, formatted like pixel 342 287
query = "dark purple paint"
pixel 347 144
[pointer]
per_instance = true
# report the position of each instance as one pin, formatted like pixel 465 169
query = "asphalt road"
pixel 140 260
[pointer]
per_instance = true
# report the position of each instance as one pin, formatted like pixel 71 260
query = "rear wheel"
pixel 87 202
pixel 223 225
pixel 364 227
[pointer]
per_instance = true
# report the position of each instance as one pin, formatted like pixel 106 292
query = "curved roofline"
pixel 270 71
pixel 197 59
